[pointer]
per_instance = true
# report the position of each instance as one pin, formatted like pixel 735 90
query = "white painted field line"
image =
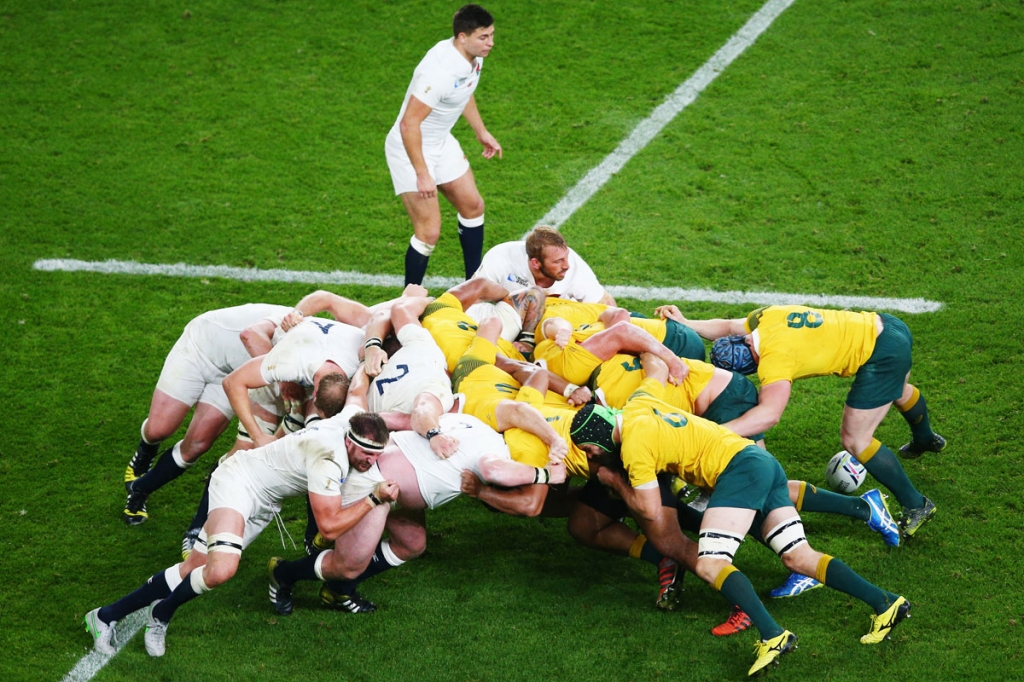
pixel 120 267
pixel 651 126
pixel 93 662
pixel 759 298
pixel 116 267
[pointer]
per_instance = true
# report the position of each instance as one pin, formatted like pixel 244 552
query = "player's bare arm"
pixel 707 329
pixel 472 116
pixel 526 500
pixel 412 139
pixel 771 403
pixel 258 337
pixel 236 386
pixel 333 520
pixel 425 420
pixel 513 414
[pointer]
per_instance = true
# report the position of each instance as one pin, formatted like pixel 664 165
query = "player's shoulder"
pixel 442 58
pixel 507 250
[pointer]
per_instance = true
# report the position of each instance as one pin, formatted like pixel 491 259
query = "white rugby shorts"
pixel 189 377
pixel 445 163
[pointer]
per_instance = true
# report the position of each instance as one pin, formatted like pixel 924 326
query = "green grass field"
pixel 862 148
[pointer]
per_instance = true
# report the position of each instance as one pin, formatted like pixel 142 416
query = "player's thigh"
pixel 354 550
pixel 859 427
pixel 425 214
pixel 463 195
pixel 207 424
pixel 166 414
pixel 407 529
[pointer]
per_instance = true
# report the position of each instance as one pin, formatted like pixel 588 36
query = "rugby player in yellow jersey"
pixel 575 353
pixel 786 343
pixel 594 517
pixel 678 338
pixel 721 396
pixel 748 487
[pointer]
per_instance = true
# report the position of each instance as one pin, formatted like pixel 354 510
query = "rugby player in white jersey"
pixel 316 353
pixel 422 154
pixel 208 350
pixel 245 496
pixel 425 481
pixel 414 379
pixel 544 261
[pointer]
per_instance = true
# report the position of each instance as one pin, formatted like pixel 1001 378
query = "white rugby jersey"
pixel 303 350
pixel 313 459
pixel 214 335
pixel 440 480
pixel 508 265
pixel 444 81
pixel 417 367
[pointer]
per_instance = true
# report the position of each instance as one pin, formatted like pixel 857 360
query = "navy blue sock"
pixel 165 471
pixel 378 564
pixel 164 610
pixel 311 527
pixel 472 240
pixel 291 572
pixel 415 266
pixel 144 455
pixel 147 593
pixel 204 506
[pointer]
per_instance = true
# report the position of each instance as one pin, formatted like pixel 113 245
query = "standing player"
pixel 422 154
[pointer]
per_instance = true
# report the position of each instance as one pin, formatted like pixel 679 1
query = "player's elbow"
pixel 407 127
pixel 534 506
pixel 490 469
pixel 767 421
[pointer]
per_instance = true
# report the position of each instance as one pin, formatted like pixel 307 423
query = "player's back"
pixel 216 333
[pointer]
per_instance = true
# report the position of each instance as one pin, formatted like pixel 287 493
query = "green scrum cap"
pixel 594 425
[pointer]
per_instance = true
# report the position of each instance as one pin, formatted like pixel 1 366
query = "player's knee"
pixel 155 430
pixel 582 530
pixel 471 207
pixel 802 560
pixel 707 569
pixel 410 546
pixel 716 548
pixel 217 575
pixel 428 233
pixel 339 569
pixel 194 448
pixel 852 442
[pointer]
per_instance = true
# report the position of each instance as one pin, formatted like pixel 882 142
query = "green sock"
pixel 841 577
pixel 650 554
pixel 815 499
pixel 917 418
pixel 889 472
pixel 738 590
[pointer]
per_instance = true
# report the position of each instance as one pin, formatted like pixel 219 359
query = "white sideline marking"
pixel 759 298
pixel 649 128
pixel 120 267
pixel 93 662
pixel 116 267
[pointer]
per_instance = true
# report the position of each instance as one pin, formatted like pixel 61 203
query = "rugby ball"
pixel 844 473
